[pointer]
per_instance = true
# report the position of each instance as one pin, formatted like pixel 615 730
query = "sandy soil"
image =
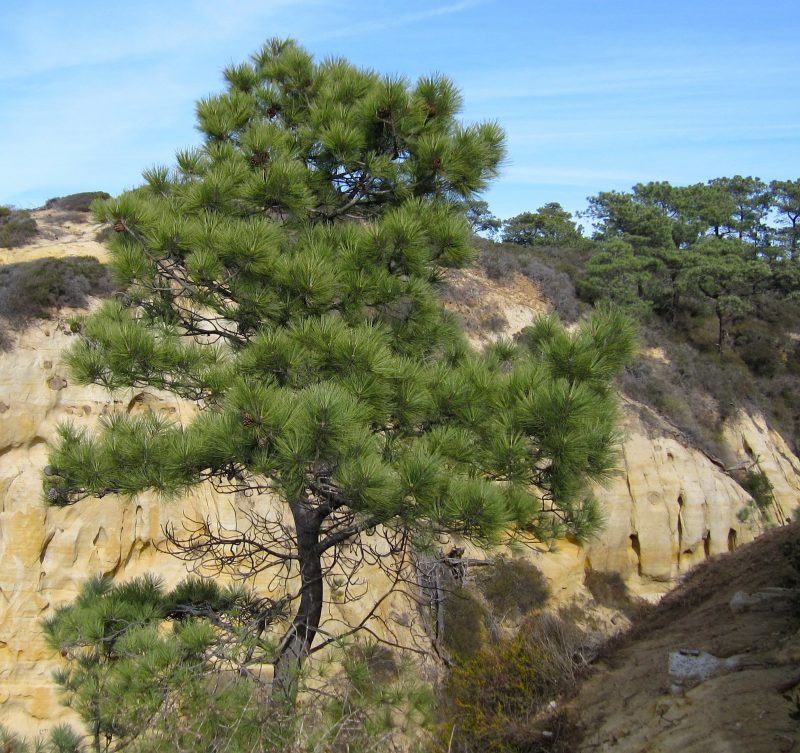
pixel 631 704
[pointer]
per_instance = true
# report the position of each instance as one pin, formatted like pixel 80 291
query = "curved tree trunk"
pixel 296 644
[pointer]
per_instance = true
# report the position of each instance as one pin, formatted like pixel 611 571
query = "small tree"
pixel 283 277
pixel 722 272
pixel 135 682
pixel 550 225
pixel 786 198
pixel 481 220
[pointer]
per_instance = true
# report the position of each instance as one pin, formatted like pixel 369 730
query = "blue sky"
pixel 593 95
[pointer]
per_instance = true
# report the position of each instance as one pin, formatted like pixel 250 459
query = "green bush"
pixel 491 702
pixel 759 487
pixel 374 701
pixel 37 289
pixel 76 202
pixel 17 227
pixel 513 587
pixel 464 624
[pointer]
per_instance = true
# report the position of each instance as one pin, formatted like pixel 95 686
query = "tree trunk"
pixel 297 642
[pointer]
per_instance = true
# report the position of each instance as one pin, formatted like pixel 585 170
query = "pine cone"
pixel 260 158
pixel 119 227
pixel 248 420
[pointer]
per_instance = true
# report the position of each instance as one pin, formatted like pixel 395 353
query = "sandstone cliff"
pixel 670 507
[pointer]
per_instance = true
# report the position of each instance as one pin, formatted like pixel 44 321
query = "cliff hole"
pixel 707 544
pixel 680 528
pixel 732 540
pixel 637 550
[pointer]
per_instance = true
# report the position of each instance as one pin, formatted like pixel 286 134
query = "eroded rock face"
pixel 671 508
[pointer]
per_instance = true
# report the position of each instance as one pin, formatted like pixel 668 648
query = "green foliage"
pixel 39 288
pixel 513 587
pixel 76 202
pixel 759 487
pixel 464 623
pixel 786 201
pixel 62 739
pixel 491 701
pixel 481 220
pixel 17 227
pixel 152 670
pixel 549 225
pixel 285 277
pixel 375 700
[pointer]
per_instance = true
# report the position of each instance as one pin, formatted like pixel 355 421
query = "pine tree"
pixel 283 277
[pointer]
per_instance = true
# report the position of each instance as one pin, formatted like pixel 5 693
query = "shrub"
pixel 494 701
pixel 501 262
pixel 17 227
pixel 464 624
pixel 556 287
pixel 76 202
pixel 374 700
pixel 513 587
pixel 36 289
pixel 759 487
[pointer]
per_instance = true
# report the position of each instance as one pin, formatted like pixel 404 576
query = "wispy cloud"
pixel 398 20
pixel 566 176
pixel 95 33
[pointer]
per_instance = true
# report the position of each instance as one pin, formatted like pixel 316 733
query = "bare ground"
pixel 628 706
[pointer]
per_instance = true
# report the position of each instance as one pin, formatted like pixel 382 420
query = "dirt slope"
pixel 632 704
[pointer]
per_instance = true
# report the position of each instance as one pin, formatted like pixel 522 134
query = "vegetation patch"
pixel 513 587
pixel 76 202
pixel 609 590
pixel 501 262
pixel 464 624
pixel 17 227
pixel 38 289
pixel 498 700
pixel 375 701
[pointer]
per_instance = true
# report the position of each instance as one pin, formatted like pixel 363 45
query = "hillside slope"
pixel 742 608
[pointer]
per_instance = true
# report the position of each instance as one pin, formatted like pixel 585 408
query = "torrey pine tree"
pixel 284 278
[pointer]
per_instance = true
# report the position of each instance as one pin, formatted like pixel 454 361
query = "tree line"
pixel 728 246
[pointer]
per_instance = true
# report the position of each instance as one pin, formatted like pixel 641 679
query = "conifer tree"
pixel 283 277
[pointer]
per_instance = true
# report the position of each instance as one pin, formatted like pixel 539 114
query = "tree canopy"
pixel 550 225
pixel 283 276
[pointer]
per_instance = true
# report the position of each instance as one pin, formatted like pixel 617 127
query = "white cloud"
pixel 398 19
